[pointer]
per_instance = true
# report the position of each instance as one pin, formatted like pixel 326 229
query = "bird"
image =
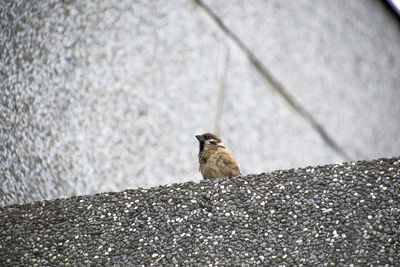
pixel 215 159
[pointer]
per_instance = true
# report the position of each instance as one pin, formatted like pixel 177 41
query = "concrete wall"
pixel 107 95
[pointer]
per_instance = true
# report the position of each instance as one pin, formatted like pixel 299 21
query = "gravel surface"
pixel 345 214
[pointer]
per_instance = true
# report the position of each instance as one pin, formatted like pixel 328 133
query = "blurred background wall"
pixel 108 95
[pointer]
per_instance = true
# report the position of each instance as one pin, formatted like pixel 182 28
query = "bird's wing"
pixel 229 165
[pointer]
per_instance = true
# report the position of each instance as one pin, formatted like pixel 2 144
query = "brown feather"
pixel 212 136
pixel 217 161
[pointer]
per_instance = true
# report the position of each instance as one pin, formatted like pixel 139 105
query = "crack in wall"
pixel 276 85
pixel 222 70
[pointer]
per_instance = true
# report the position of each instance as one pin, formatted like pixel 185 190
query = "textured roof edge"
pixel 336 214
pixel 394 158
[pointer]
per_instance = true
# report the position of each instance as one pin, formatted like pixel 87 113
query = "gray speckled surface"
pixel 108 95
pixel 338 59
pixel 99 90
pixel 281 132
pixel 343 214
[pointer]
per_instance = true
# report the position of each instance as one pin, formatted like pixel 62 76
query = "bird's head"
pixel 208 140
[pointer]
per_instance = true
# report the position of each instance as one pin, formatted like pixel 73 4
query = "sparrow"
pixel 215 159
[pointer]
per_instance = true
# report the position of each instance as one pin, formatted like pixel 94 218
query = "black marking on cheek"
pixel 201 146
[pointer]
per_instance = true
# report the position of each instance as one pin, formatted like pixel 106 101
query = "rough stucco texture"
pixel 107 95
pixel 346 214
pixel 338 59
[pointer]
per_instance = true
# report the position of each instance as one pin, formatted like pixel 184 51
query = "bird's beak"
pixel 200 138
